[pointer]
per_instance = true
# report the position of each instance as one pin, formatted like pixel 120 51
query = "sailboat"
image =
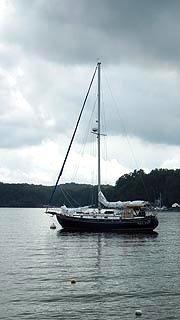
pixel 128 216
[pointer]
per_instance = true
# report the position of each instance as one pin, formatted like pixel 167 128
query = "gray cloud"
pixel 38 102
pixel 68 31
pixel 145 105
pixel 55 45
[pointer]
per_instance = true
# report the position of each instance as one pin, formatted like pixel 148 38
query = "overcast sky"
pixel 48 52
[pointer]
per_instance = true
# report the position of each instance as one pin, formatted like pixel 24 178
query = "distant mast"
pixel 99 132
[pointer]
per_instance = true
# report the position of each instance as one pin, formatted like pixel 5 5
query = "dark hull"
pixel 147 224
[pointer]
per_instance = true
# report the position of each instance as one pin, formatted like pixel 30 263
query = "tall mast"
pixel 99 130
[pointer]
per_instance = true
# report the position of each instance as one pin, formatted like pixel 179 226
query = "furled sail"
pixel 121 204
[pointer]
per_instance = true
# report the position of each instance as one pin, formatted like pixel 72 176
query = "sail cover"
pixel 121 204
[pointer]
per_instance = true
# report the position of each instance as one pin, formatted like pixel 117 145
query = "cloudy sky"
pixel 48 52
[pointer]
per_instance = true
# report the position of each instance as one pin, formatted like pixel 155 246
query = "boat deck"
pixel 94 214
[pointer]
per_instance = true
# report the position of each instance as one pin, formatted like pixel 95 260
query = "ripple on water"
pixel 115 274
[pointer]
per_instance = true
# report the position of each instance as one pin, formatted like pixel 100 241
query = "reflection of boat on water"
pixel 128 216
pixel 111 233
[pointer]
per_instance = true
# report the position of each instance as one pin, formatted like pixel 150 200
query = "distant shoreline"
pixel 161 187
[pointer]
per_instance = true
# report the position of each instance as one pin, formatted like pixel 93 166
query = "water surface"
pixel 115 273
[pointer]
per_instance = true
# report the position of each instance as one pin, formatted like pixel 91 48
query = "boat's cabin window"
pixel 109 212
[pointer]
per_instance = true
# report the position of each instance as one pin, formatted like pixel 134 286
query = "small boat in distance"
pixel 128 216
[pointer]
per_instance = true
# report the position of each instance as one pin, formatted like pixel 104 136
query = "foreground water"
pixel 116 274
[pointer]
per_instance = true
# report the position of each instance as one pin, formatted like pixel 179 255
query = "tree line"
pixel 159 184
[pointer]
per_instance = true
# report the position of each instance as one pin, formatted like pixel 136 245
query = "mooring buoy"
pixel 53 226
pixel 73 281
pixel 138 313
